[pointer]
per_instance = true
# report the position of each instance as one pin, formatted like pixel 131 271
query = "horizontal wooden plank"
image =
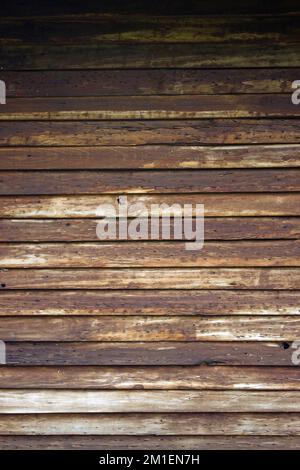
pixel 216 205
pixel 152 378
pixel 150 107
pixel 195 132
pixel 149 442
pixel 113 28
pixel 116 56
pixel 141 328
pixel 215 228
pixel 280 424
pixel 237 353
pixel 158 302
pixel 205 7
pixel 155 278
pixel 133 401
pixel 147 82
pixel 150 254
pixel 164 181
pixel 145 157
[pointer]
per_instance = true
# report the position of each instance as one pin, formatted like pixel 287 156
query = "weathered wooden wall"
pixel 145 344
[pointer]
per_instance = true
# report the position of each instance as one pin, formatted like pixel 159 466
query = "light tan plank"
pixel 152 377
pixel 216 205
pixel 145 254
pixel 74 401
pixel 188 278
pixel 280 424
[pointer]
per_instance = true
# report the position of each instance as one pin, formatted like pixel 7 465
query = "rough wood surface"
pixel 149 328
pixel 113 28
pixel 143 344
pixel 153 107
pixel 280 424
pixel 156 302
pixel 118 56
pixel 155 278
pixel 195 132
pixel 151 378
pixel 147 82
pixel 150 254
pixel 77 401
pixel 216 205
pixel 147 157
pixel 165 181
pixel 149 442
pixel 150 353
pixel 84 230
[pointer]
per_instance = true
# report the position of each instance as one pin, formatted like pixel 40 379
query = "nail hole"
pixel 3 285
pixel 285 345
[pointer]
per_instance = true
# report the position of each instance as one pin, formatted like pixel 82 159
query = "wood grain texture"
pixel 118 56
pixel 147 82
pixel 149 328
pixel 237 353
pixel 149 442
pixel 280 424
pixel 137 29
pixel 184 181
pixel 216 205
pixel 84 230
pixel 151 378
pixel 194 132
pixel 147 157
pixel 155 278
pixel 150 254
pixel 153 107
pixel 157 302
pixel 75 401
pixel 143 344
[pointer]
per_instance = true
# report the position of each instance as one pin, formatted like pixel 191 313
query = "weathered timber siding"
pixel 143 344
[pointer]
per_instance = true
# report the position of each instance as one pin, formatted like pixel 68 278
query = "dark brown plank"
pixel 147 157
pixel 159 302
pixel 147 82
pixel 185 278
pixel 216 205
pixel 151 378
pixel 184 181
pixel 197 132
pixel 116 56
pixel 114 28
pixel 135 254
pixel 150 107
pixel 149 354
pixel 205 7
pixel 215 228
pixel 149 442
